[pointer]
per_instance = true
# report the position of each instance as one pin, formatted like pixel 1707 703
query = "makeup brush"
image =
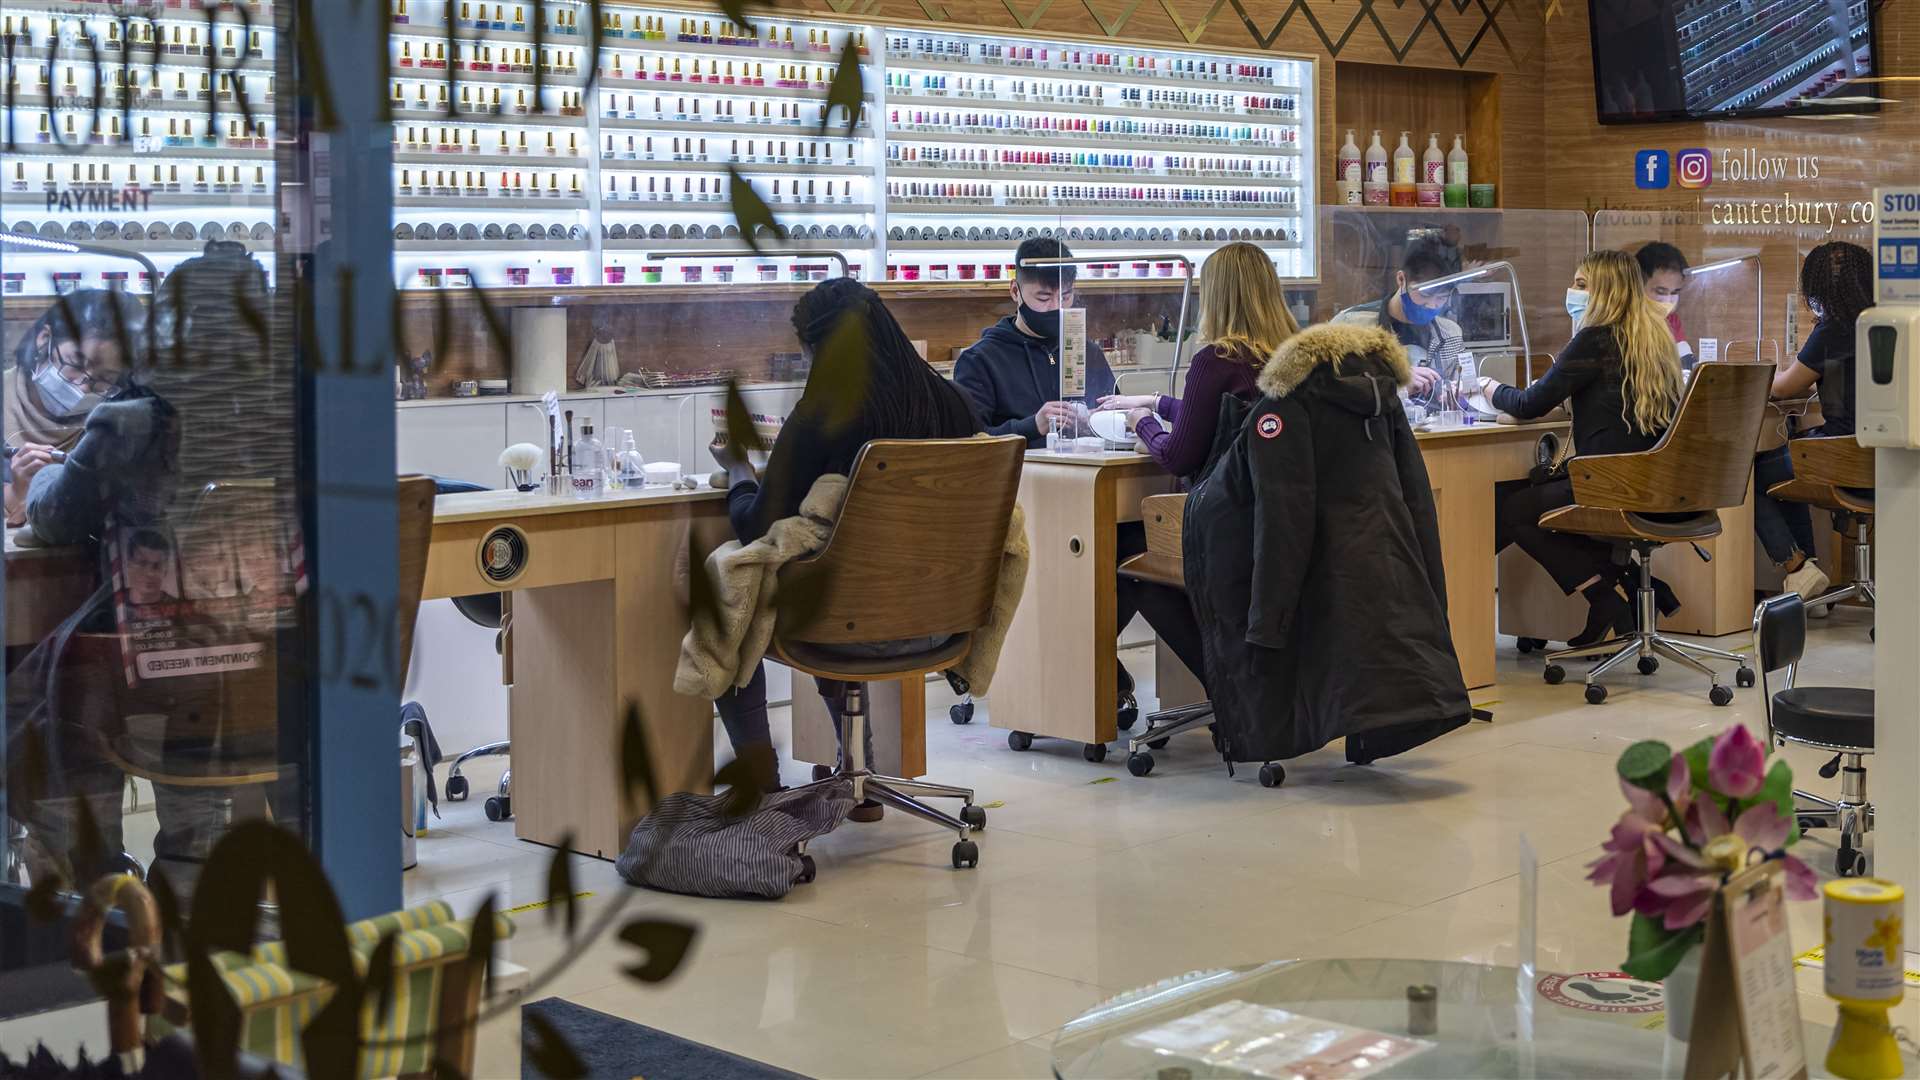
pixel 519 461
pixel 569 440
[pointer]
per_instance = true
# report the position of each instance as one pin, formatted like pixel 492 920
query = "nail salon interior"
pixel 1066 538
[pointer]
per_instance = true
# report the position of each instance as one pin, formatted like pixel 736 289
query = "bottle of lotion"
pixel 1349 175
pixel 1375 186
pixel 1433 173
pixel 1401 191
pixel 1456 190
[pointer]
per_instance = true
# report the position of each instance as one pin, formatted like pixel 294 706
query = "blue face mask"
pixel 1417 315
pixel 1577 306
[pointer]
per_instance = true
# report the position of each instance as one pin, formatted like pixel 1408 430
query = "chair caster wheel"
pixel 821 772
pixel 1743 678
pixel 808 871
pixel 1272 775
pixel 1530 644
pixel 1554 674
pixel 499 807
pixel 961 713
pixel 1158 744
pixel 1129 713
pixel 1596 693
pixel 966 853
pixel 1720 695
pixel 1094 751
pixel 456 789
pixel 1139 763
pixel 1848 862
pixel 974 816
pixel 1649 664
pixel 1019 740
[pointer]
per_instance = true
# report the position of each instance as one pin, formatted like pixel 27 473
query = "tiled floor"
pixel 1093 881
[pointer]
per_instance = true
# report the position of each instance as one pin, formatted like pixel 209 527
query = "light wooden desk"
pixel 1057 676
pixel 599 609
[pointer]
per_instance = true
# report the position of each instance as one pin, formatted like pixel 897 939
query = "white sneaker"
pixel 1810 581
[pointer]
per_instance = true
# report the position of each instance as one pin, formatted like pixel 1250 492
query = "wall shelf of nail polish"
pixel 492 202
pixel 802 130
pixel 456 246
pixel 1075 140
pixel 1068 107
pixel 1088 247
pixel 1014 174
pixel 745 168
pixel 922 62
pixel 774 248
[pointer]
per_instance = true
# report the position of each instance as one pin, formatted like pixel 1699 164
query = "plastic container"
pixel 661 473
pixel 1481 196
pixel 1454 195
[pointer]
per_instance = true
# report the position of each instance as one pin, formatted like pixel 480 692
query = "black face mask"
pixel 1044 323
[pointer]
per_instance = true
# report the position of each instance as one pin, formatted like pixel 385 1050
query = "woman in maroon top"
pixel 1244 316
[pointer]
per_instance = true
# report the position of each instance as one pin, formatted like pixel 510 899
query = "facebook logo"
pixel 1650 169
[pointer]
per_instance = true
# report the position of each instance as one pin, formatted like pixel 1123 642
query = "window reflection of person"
pixel 150 569
pixel 64 365
pixel 207 567
pixel 263 569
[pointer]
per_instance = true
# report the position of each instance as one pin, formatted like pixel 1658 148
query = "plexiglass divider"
pixel 1724 300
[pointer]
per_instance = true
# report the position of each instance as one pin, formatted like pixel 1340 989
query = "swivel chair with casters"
pixel 1161 564
pixel 1670 494
pixel 1835 474
pixel 1832 718
pixel 488 610
pixel 915 555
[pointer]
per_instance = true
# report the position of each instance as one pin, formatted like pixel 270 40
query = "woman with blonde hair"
pixel 1244 319
pixel 1621 375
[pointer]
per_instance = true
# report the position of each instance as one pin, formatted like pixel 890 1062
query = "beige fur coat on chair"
pixel 719 653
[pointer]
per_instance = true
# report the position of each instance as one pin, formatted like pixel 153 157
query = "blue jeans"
pixel 1783 527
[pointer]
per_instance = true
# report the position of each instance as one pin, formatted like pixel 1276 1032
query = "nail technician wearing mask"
pixel 1012 374
pixel 1665 270
pixel 64 365
pixel 1433 341
pixel 1622 377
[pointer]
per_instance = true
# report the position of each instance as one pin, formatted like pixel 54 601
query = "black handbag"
pixel 1550 456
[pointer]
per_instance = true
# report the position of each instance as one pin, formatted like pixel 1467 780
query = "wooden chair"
pixel 915 555
pixel 1162 564
pixel 1700 466
pixel 1835 473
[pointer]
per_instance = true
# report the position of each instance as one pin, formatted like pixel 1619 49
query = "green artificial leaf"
pixel 666 942
pixel 1646 765
pixel 380 973
pixel 561 900
pixel 746 777
pixel 480 948
pixel 847 91
pixel 637 781
pixel 1653 951
pixel 1697 758
pixel 1777 789
pixel 549 1050
pixel 742 437
pixel 750 211
pixel 839 379
pixel 737 11
pixel 44 904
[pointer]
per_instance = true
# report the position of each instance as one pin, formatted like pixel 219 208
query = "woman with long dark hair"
pixel 1836 280
pixel 866 383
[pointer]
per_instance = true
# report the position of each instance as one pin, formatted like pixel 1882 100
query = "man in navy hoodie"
pixel 1012 374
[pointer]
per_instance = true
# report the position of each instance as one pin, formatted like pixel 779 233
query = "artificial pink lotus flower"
pixel 1681 891
pixel 1632 857
pixel 1737 765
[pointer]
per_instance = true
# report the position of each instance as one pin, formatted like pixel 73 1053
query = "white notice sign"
pixel 1073 353
pixel 1896 234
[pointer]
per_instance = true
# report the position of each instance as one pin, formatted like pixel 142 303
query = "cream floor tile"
pixel 1122 920
pixel 1030 1060
pixel 831 1001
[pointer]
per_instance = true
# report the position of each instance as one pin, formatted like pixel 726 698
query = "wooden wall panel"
pixel 1590 166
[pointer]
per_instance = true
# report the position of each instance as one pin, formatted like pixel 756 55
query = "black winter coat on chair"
pixel 1313 561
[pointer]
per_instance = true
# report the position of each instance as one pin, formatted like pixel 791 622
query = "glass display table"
pixel 1188 1028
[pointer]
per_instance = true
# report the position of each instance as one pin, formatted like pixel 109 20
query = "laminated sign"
pixel 1073 353
pixel 202 599
pixel 1896 230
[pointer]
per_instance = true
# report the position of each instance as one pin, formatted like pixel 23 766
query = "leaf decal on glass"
pixel 666 942
pixel 750 211
pixel 846 91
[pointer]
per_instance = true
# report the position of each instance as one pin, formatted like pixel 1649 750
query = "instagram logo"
pixel 1693 168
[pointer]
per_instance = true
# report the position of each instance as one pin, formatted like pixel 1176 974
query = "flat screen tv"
pixel 1716 59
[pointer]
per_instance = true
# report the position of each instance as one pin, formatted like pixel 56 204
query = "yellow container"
pixel 1864 973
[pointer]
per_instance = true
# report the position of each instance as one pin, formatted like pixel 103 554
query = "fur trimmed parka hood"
pixel 1351 352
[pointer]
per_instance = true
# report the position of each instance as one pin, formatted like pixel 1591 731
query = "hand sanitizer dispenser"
pixel 1886 389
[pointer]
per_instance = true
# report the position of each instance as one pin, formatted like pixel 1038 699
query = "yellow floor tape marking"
pixel 537 904
pixel 1104 780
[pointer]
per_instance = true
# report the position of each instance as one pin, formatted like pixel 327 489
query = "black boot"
pixel 1607 613
pixel 1664 598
